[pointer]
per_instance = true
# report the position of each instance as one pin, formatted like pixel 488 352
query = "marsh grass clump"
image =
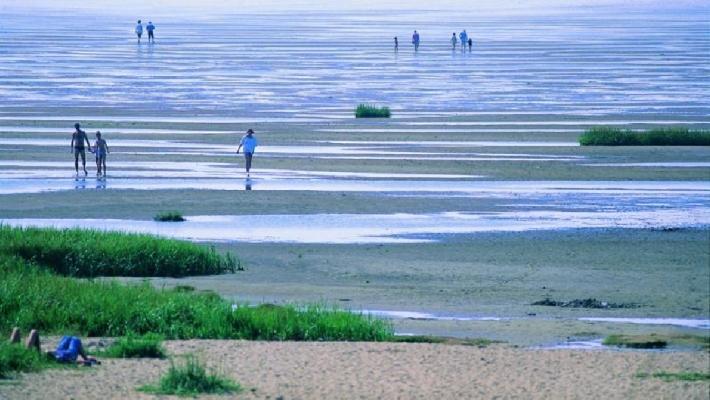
pixel 90 253
pixel 169 216
pixel 665 136
pixel 372 111
pixel 32 297
pixel 191 378
pixel 688 376
pixel 636 341
pixel 134 346
pixel 14 357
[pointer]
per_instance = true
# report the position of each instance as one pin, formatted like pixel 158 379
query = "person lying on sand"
pixel 70 349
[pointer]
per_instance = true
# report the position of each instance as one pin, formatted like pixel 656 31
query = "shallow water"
pixel 381 228
pixel 686 323
pixel 582 64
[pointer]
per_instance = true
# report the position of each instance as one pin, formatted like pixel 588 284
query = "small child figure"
pixel 470 44
pixel 101 149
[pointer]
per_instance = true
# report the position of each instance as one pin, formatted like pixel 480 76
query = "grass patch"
pixel 169 216
pixel 372 111
pixel 32 297
pixel 14 357
pixel 479 342
pixel 688 376
pixel 191 378
pixel 89 253
pixel 651 341
pixel 134 346
pixel 668 136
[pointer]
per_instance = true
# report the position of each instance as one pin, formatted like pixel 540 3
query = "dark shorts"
pixel 80 150
pixel 139 35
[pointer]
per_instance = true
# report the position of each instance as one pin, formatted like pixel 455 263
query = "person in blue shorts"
pixel 249 142
pixel 139 30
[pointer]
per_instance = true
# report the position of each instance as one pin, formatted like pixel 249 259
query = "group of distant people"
pixel 150 28
pixel 248 142
pixel 463 37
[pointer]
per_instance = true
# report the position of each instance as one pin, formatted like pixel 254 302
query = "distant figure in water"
pixel 464 38
pixel 470 44
pixel 101 149
pixel 249 142
pixel 453 41
pixel 396 44
pixel 78 139
pixel 415 40
pixel 150 28
pixel 139 30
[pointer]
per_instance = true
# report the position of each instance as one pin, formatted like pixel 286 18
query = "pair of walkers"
pixel 149 28
pixel 100 148
pixel 465 40
pixel 415 41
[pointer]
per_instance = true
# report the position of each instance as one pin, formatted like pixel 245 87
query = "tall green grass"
pixel 190 379
pixel 34 298
pixel 135 346
pixel 15 357
pixel 88 253
pixel 371 111
pixel 668 136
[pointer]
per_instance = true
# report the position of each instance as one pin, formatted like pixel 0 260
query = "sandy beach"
pixel 293 370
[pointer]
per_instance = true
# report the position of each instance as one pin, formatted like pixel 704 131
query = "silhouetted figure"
pixel 453 41
pixel 78 139
pixel 139 30
pixel 415 40
pixel 150 28
pixel 396 44
pixel 464 38
pixel 470 44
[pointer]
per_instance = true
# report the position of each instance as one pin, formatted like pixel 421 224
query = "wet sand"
pixel 289 370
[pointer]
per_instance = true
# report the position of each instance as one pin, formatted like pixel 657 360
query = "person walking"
pixel 150 28
pixel 415 40
pixel 396 44
pixel 249 142
pixel 139 30
pixel 78 139
pixel 464 39
pixel 470 44
pixel 453 41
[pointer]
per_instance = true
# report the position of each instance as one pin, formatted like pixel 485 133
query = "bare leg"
pixel 76 161
pixel 98 166
pixel 103 160
pixel 83 162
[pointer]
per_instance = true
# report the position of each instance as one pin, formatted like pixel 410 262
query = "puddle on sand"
pixel 422 316
pixel 686 323
pixel 431 143
pixel 693 191
pixel 673 164
pixel 379 228
pixel 595 344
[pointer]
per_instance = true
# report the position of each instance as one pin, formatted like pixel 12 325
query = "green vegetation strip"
pixel 677 376
pixel 656 341
pixel 190 379
pixel 670 136
pixel 32 297
pixel 89 253
pixel 372 111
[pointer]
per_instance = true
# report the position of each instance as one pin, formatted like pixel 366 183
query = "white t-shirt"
pixel 249 143
pixel 139 29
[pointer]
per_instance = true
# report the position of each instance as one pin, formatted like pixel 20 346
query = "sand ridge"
pixel 345 370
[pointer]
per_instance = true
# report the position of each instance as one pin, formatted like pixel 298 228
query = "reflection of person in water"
pixel 247 184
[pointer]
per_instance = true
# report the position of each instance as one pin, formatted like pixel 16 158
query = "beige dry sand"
pixel 297 370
